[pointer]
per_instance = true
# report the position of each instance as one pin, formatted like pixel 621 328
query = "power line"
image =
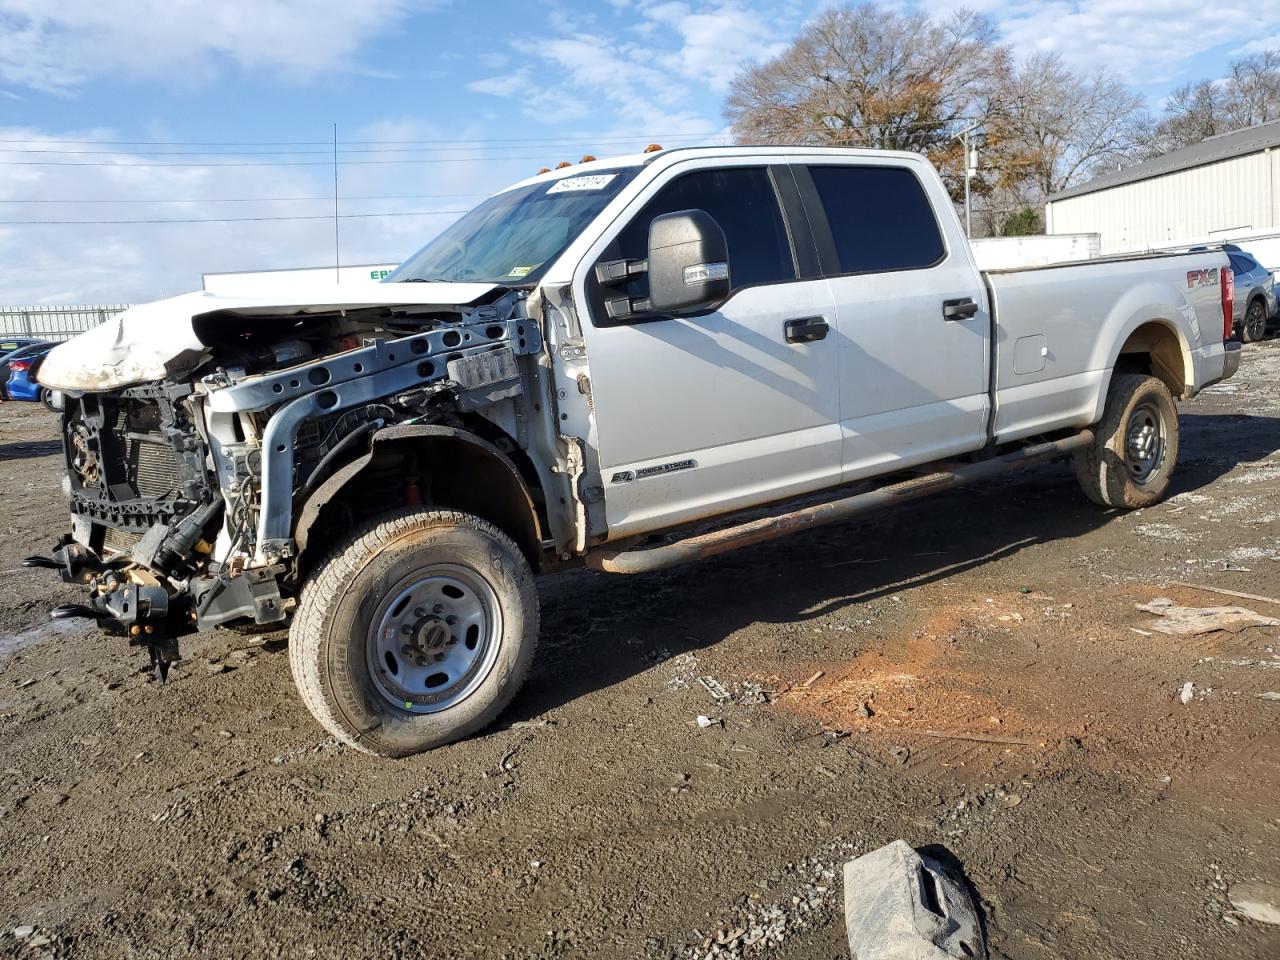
pixel 584 138
pixel 329 216
pixel 384 148
pixel 410 196
pixel 260 163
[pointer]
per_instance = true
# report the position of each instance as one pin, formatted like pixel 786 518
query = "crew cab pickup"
pixel 606 364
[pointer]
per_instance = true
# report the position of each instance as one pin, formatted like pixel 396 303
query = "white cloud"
pixel 1260 45
pixel 1146 43
pixel 133 262
pixel 56 45
pixel 650 72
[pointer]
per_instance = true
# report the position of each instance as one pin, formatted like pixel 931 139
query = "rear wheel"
pixel 1255 321
pixel 46 397
pixel 416 633
pixel 1135 449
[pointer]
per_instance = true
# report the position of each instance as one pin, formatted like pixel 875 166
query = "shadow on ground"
pixel 598 630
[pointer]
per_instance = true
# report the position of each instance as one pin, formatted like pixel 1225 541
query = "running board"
pixel 771 528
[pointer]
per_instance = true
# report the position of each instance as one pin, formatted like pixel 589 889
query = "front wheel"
pixel 1135 448
pixel 416 633
pixel 1255 322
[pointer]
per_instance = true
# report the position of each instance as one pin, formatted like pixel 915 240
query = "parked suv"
pixel 1255 295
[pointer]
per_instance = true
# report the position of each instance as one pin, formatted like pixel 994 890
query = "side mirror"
pixel 688 262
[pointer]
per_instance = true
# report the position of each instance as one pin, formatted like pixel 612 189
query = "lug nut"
pixel 419 612
pixel 438 608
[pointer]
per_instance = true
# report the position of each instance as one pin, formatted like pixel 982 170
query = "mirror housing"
pixel 688 262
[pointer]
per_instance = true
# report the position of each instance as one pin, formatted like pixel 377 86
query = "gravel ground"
pixel 1096 814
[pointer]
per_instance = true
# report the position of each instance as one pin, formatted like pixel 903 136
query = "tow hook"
pixel 77 611
pixel 41 563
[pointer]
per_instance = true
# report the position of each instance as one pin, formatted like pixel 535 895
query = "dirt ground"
pixel 211 817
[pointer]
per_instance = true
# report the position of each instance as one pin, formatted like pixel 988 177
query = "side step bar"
pixel 771 528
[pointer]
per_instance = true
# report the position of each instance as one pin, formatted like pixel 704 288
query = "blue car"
pixel 19 384
pixel 1255 302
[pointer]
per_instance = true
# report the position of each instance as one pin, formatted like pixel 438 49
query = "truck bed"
pixel 1059 329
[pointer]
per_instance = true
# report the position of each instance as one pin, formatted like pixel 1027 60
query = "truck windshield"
pixel 513 236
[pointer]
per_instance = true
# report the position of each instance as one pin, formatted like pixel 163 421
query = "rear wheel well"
pixel 1154 349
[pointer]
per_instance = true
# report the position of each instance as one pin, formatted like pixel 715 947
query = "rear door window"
pixel 880 218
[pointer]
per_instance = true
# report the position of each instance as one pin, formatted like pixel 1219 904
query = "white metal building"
pixel 1225 186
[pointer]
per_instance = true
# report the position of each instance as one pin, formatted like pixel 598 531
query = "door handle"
pixel 805 329
pixel 961 309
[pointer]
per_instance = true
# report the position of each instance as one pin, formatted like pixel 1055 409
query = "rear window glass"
pixel 880 218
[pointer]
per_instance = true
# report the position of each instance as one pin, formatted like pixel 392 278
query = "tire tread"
pixel 328 585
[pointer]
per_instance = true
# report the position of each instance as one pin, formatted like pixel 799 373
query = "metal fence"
pixel 55 322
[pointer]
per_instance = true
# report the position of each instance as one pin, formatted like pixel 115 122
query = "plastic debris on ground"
pixel 899 905
pixel 1189 621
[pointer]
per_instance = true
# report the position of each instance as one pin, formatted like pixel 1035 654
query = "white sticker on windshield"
pixel 596 181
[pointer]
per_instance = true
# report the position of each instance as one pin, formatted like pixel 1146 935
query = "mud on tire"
pixel 1135 449
pixel 372 624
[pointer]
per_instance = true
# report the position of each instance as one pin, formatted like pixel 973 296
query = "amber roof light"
pixel 653 148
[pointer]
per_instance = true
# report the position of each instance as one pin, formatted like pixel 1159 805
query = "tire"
pixel 1135 449
pixel 393 610
pixel 1254 327
pixel 46 398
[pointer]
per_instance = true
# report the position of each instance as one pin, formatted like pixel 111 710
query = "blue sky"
pixel 487 93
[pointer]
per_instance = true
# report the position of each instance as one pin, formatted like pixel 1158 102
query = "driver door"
pixel 736 406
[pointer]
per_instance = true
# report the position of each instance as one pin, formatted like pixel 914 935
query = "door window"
pixel 742 200
pixel 880 218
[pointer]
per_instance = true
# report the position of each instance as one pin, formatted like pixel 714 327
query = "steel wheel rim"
pixel 1144 445
pixel 434 638
pixel 1256 320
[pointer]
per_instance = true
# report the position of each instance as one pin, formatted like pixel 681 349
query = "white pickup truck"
pixel 629 347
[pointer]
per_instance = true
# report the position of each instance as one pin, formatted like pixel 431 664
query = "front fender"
pixel 507 500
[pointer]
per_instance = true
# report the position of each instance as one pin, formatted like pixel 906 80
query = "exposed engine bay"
pixel 184 492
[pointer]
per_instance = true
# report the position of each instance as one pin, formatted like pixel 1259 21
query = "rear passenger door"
pixel 911 314
pixel 698 415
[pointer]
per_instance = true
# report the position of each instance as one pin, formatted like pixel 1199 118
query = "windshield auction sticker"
pixel 570 184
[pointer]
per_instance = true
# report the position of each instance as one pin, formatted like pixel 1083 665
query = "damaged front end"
pixel 184 491
pixel 145 508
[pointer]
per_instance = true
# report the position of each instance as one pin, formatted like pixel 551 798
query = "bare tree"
pixel 1050 128
pixel 867 76
pixel 1193 112
pixel 1254 90
pixel 1248 95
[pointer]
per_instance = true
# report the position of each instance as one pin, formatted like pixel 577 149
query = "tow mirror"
pixel 687 266
pixel 688 262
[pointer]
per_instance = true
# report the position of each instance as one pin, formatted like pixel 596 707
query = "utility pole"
pixel 337 257
pixel 970 171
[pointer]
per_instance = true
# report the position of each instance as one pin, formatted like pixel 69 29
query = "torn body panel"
pixel 165 339
pixel 186 491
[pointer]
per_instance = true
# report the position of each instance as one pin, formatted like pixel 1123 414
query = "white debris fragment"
pixel 704 721
pixel 715 688
pixel 1257 900
pixel 1188 691
pixel 1189 621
